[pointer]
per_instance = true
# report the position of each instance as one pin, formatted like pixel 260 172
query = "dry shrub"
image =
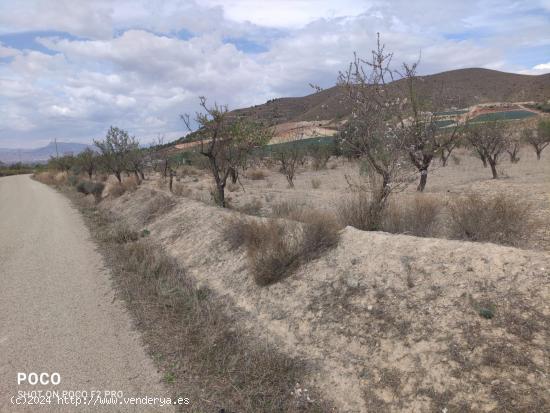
pixel 238 232
pixel 274 256
pixel 288 210
pixel 501 219
pixel 114 189
pixel 231 187
pixel 91 188
pixel 418 216
pixel 181 190
pixel 253 207
pixel 256 174
pixel 188 170
pixel 45 177
pixel 320 233
pixel 275 249
pixel 61 178
pixel 130 184
pixel 315 183
pixel 158 205
pixel 119 233
pixel 360 211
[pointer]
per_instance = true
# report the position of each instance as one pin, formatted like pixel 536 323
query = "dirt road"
pixel 58 312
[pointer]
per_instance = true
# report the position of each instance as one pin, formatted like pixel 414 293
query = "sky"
pixel 71 68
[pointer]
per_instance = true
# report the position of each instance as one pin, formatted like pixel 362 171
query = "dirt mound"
pixel 387 322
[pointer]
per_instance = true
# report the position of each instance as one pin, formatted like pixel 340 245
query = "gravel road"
pixel 58 312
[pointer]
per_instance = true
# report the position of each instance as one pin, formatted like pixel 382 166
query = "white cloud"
pixel 129 68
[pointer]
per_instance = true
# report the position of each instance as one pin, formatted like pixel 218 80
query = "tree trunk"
pixel 484 160
pixel 137 177
pixel 221 196
pixel 290 181
pixel 90 173
pixel 423 180
pixel 493 168
pixel 171 181
pixel 538 153
pixel 117 174
pixel 141 175
pixel 234 176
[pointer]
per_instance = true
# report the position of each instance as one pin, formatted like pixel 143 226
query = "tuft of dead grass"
pixel 275 249
pixel 418 217
pixel 182 190
pixel 256 174
pixel 45 177
pixel 358 210
pixel 114 189
pixel 315 183
pixel 130 184
pixel 253 207
pixel 500 219
pixel 158 205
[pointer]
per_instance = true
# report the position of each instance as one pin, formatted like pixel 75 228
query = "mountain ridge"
pixel 41 154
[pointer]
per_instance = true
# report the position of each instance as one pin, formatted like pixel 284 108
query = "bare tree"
pixel 452 144
pixel 164 161
pixel 539 138
pixel 418 120
pixel 88 161
pixel 373 132
pixel 136 159
pixel 289 156
pixel 114 150
pixel 490 140
pixel 514 146
pixel 225 142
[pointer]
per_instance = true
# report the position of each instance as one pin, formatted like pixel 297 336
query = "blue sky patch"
pixel 245 45
pixel 27 40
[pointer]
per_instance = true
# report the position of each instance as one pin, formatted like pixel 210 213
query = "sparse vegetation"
pixel 276 249
pixel 174 313
pixel 226 145
pixel 490 140
pixel 539 139
pixel 500 219
pixel 418 217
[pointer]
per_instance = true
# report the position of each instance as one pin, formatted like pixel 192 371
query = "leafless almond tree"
pixel 490 140
pixel 538 138
pixel 226 143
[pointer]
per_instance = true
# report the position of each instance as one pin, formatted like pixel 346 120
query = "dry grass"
pixel 182 190
pixel 91 188
pixel 158 205
pixel 500 219
pixel 256 174
pixel 276 249
pixel 199 349
pixel 315 183
pixel 130 183
pixel 114 189
pixel 254 207
pixel 359 211
pixel 288 210
pixel 61 178
pixel 45 177
pixel 419 216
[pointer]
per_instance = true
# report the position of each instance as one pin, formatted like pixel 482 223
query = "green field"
pixel 451 112
pixel 509 115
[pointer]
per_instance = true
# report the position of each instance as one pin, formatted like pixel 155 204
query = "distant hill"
pixel 455 88
pixel 41 154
